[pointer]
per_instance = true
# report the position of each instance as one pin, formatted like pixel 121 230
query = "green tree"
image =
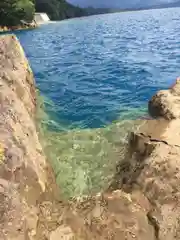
pixel 13 11
pixel 25 9
pixel 7 11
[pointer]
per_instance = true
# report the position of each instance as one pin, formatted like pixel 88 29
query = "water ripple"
pixel 94 69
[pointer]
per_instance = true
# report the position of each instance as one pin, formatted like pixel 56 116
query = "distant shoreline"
pixel 109 11
pixel 16 28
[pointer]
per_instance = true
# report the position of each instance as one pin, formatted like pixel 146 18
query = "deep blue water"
pixel 95 69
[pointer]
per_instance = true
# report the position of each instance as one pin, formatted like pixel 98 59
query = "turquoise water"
pixel 97 74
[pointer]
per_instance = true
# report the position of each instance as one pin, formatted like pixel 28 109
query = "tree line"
pixel 59 9
pixel 13 11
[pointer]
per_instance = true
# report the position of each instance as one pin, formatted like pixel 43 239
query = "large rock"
pixel 22 164
pixel 115 215
pixel 152 167
pixel 166 103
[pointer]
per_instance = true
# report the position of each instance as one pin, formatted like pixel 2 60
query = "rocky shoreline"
pixel 19 27
pixel 143 199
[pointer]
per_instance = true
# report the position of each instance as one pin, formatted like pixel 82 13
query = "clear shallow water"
pixel 95 71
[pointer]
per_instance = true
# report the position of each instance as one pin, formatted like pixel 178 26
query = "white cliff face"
pixel 41 18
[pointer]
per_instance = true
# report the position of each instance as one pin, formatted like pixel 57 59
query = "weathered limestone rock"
pixel 166 103
pixel 114 215
pixel 22 164
pixel 63 232
pixel 152 165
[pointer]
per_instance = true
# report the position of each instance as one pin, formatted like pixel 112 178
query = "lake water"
pixel 97 74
